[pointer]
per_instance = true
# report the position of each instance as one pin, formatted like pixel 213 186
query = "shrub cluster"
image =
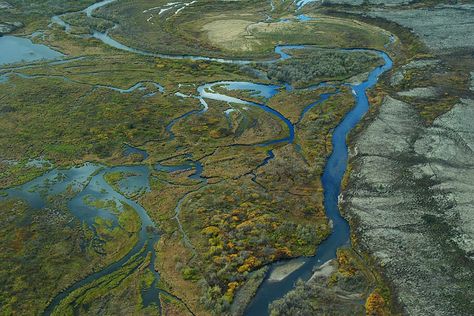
pixel 312 65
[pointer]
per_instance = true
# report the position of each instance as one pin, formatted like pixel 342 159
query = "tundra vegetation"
pixel 219 229
pixel 44 251
pixel 310 66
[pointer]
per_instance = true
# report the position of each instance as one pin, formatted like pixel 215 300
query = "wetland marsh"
pixel 183 158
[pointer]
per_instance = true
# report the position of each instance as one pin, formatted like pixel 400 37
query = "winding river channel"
pixel 331 180
pixel 89 183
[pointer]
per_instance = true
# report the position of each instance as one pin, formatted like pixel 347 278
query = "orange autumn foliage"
pixel 375 304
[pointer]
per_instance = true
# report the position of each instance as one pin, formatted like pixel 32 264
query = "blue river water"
pixel 130 150
pixel 331 180
pixel 98 189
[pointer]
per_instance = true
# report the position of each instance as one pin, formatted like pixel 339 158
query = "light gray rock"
pixel 350 2
pixel 399 75
pixel 422 92
pixel 472 81
pixel 8 27
pixel 397 78
pixel 390 2
pixel 5 5
pixel 411 195
pixel 360 2
pixel 449 145
pixel 441 29
pixel 394 120
pixel 421 63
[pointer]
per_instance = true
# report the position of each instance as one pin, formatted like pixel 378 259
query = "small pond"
pixel 17 49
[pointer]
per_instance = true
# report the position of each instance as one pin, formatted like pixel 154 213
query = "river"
pixel 331 180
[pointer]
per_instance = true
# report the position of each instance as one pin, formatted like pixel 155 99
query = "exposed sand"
pixel 229 34
pixel 284 270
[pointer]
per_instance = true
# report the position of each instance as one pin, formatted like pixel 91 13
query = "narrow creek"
pixel 89 180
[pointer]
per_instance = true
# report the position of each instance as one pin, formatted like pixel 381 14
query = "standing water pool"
pixel 17 49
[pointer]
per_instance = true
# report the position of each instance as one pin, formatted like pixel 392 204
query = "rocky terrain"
pixel 472 81
pixel 5 5
pixel 411 197
pixel 360 2
pixel 7 26
pixel 410 193
pixel 441 28
pixel 441 25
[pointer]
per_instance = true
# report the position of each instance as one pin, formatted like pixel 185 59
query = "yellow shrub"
pixel 375 304
pixel 211 230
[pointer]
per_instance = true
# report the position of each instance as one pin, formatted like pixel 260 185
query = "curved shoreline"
pixel 331 179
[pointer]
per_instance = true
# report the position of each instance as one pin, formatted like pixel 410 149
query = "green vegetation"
pixel 43 251
pixel 83 24
pixel 76 117
pixel 36 15
pixel 237 225
pixel 314 131
pixel 292 103
pixel 311 66
pixel 114 178
pixel 175 33
pixel 228 28
pixel 115 293
pixel 18 172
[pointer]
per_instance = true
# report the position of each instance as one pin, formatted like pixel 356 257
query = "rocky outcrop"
pixel 448 147
pixel 443 28
pixel 8 27
pixel 400 74
pixel 410 199
pixel 5 5
pixel 360 2
pixel 421 92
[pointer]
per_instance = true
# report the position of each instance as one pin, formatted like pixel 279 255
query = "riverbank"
pixel 404 199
